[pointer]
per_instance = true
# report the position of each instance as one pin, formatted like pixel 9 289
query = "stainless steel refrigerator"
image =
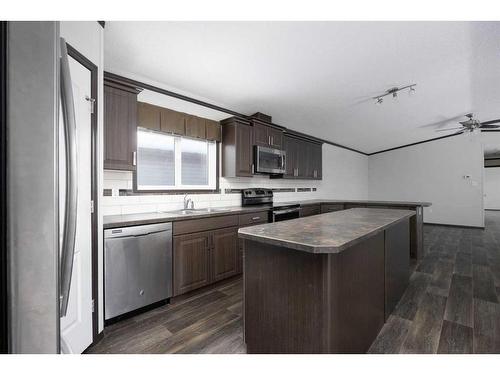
pixel 38 267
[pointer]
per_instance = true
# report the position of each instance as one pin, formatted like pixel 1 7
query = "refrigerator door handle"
pixel 70 213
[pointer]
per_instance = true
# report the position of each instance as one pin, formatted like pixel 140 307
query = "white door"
pixel 76 326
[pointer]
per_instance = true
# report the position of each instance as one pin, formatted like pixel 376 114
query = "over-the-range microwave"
pixel 269 160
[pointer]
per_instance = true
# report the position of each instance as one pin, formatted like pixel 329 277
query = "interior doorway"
pixel 492 177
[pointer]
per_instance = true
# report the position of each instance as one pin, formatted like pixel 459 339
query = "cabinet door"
pixel 310 210
pixel 318 162
pixel 120 129
pixel 290 147
pixel 276 137
pixel 303 159
pixel 260 135
pixel 148 116
pixel 225 253
pixel 195 127
pixel 172 121
pixel 244 151
pixel 191 262
pixel 213 130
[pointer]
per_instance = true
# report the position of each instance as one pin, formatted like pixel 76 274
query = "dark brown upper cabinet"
pixel 120 126
pixel 265 135
pixel 195 127
pixel 213 130
pixel 303 159
pixel 237 149
pixel 148 116
pixel 172 121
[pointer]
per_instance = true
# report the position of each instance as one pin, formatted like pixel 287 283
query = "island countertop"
pixel 326 233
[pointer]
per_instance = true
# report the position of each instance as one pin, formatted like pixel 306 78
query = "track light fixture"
pixel 394 92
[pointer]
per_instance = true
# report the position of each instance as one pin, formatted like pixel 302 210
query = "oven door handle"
pixel 286 211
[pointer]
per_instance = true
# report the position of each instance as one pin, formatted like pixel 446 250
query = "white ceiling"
pixel 318 77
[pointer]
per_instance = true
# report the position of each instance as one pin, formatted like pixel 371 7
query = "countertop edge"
pixel 299 246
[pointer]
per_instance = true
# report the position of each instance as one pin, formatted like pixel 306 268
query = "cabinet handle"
pixel 253 168
pixel 134 158
pixel 272 140
pixel 256 218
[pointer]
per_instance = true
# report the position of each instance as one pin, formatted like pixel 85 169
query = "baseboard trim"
pixel 454 226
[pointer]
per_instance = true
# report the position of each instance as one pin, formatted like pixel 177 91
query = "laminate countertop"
pixel 116 221
pixel 326 233
pixel 367 202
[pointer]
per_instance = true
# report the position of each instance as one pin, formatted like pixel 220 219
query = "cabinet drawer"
pixel 310 210
pixel 331 207
pixel 199 225
pixel 254 218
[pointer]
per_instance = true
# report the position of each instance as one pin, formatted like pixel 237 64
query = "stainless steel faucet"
pixel 187 201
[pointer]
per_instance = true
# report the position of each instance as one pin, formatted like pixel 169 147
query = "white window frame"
pixel 211 162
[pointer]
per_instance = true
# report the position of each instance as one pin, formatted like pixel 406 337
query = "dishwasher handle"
pixel 137 231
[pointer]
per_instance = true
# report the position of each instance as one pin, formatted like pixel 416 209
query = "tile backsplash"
pixel 229 195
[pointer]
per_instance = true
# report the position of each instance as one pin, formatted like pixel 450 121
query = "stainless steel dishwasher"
pixel 137 267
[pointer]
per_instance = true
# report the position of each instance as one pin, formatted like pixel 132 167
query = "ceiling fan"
pixel 471 124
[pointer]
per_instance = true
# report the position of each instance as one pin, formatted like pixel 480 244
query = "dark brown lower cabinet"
pixel 310 210
pixel 204 258
pixel 191 257
pixel 331 207
pixel 224 253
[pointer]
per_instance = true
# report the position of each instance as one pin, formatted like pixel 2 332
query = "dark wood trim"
pixel 94 179
pixel 492 158
pixel 492 166
pixel 159 90
pixel 3 189
pixel 454 226
pixel 412 144
pixel 102 23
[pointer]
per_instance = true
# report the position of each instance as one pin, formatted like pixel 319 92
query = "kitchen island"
pixel 324 283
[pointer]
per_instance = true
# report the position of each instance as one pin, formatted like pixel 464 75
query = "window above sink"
pixel 170 162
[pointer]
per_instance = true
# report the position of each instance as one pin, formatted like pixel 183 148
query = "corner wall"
pixel 435 172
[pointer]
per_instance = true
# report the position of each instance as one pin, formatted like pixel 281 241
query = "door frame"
pixel 75 54
pixel 3 189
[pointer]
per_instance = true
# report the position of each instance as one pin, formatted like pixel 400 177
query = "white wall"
pixel 87 38
pixel 345 176
pixel 434 172
pixel 492 188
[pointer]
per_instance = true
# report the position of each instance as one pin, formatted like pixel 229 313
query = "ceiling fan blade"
pixel 491 122
pixel 459 132
pixel 483 126
pixel 443 122
pixel 444 130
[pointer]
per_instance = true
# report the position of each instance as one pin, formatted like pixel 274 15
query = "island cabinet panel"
pixel 397 264
pixel 191 257
pixel 120 127
pixel 224 253
pixel 310 210
pixel 285 300
pixel 237 150
pixel 300 302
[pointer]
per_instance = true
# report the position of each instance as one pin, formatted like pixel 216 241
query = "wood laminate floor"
pixel 451 306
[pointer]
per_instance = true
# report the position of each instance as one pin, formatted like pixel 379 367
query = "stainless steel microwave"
pixel 269 160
